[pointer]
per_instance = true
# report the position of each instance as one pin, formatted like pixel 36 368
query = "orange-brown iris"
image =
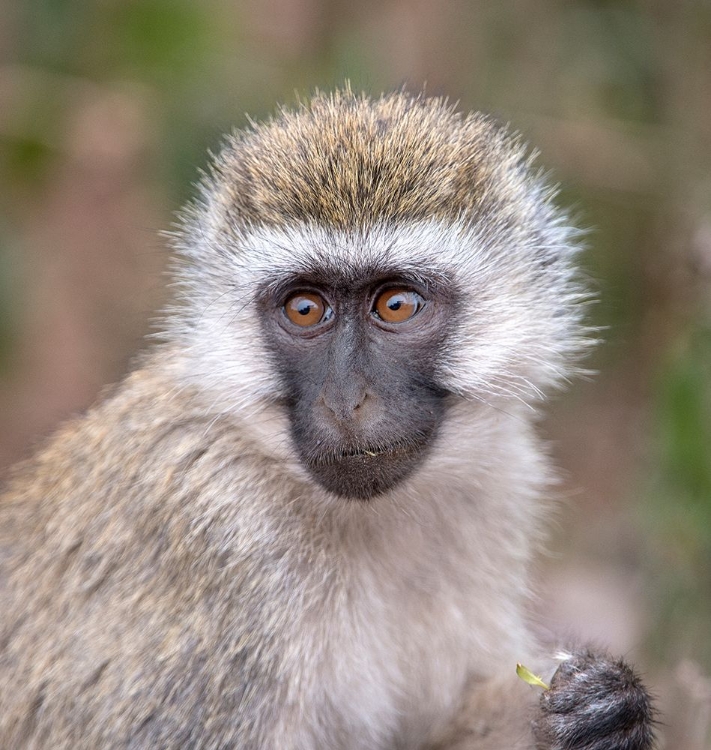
pixel 305 309
pixel 397 305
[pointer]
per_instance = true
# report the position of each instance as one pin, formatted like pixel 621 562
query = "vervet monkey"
pixel 307 519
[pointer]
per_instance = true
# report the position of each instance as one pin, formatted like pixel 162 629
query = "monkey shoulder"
pixel 112 553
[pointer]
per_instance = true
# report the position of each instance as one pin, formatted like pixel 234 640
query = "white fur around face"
pixel 512 338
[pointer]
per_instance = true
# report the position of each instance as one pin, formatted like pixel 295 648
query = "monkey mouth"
pixel 365 452
pixel 365 471
pixel 362 452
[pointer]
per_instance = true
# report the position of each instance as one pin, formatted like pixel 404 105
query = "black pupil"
pixel 395 303
pixel 305 307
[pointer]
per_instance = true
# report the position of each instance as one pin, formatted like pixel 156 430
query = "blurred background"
pixel 108 109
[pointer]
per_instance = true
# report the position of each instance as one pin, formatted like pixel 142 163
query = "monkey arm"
pixel 494 714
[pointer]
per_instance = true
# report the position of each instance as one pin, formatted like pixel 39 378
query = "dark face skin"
pixel 358 360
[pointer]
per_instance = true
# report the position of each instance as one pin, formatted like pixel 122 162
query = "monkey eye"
pixel 397 305
pixel 307 309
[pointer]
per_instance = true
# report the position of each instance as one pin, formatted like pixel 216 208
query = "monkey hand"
pixel 594 703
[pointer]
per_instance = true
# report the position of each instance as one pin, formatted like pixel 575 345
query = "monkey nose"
pixel 346 403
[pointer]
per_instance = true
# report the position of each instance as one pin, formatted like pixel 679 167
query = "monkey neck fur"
pixel 474 509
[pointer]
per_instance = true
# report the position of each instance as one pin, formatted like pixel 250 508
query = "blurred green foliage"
pixel 679 500
pixel 8 285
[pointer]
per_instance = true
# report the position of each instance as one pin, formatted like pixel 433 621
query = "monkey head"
pixel 388 260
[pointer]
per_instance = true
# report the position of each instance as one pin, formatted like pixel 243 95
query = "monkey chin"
pixel 362 474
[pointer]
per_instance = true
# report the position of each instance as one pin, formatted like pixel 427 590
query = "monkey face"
pixel 354 269
pixel 358 360
pixel 346 352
